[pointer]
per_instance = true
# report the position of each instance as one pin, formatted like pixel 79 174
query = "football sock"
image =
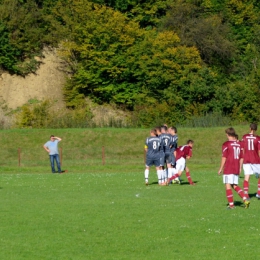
pixel 175 176
pixel 164 175
pixel 246 187
pixel 188 177
pixel 258 187
pixel 230 199
pixel 241 193
pixel 146 175
pixel 170 173
pixel 159 174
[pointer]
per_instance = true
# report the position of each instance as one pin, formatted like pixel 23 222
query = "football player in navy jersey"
pixel 153 153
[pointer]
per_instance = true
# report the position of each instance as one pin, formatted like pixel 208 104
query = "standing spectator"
pixel 52 148
pixel 231 165
pixel 251 165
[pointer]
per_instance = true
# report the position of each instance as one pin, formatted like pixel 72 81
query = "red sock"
pixel 246 187
pixel 230 199
pixel 189 178
pixel 258 187
pixel 174 177
pixel 241 193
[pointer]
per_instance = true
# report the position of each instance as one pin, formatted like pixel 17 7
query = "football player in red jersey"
pixel 251 164
pixel 181 154
pixel 231 165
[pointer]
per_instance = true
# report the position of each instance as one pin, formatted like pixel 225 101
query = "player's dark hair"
pixel 174 129
pixel 236 136
pixel 51 136
pixel 253 126
pixel 153 131
pixel 165 128
pixel 158 130
pixel 230 131
pixel 190 141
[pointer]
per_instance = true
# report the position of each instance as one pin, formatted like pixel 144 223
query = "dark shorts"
pixel 152 161
pixel 169 158
pixel 162 159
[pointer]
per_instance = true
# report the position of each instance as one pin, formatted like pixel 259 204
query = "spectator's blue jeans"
pixel 55 157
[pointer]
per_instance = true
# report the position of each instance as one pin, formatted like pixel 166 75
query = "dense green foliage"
pixel 165 60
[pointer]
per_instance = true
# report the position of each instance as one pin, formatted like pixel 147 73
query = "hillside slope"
pixel 46 83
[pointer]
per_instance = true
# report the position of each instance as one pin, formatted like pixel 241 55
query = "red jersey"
pixel 183 151
pixel 231 150
pixel 251 146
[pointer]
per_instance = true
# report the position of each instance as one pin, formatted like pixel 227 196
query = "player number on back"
pixel 250 144
pixel 154 145
pixel 236 152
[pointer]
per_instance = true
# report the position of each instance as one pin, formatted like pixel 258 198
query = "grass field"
pixel 98 211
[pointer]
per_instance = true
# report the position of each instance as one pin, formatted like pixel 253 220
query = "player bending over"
pixel 182 153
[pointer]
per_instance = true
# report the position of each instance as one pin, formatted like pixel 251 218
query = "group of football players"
pixel 163 152
pixel 237 155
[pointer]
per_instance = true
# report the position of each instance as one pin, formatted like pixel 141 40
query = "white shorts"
pixel 230 179
pixel 250 169
pixel 180 164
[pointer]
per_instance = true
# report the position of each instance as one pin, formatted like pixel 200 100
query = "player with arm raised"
pixel 231 165
pixel 152 148
pixel 251 164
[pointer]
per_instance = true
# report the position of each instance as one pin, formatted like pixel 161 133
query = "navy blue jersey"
pixel 174 143
pixel 153 146
pixel 166 140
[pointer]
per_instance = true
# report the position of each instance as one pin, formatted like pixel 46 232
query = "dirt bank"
pixel 46 83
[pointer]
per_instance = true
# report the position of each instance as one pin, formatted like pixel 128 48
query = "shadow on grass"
pixel 187 183
pixel 252 195
pixel 182 183
pixel 238 203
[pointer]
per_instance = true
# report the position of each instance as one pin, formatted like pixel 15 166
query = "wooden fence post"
pixel 103 155
pixel 19 157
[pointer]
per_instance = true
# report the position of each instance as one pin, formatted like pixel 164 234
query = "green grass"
pixel 100 211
